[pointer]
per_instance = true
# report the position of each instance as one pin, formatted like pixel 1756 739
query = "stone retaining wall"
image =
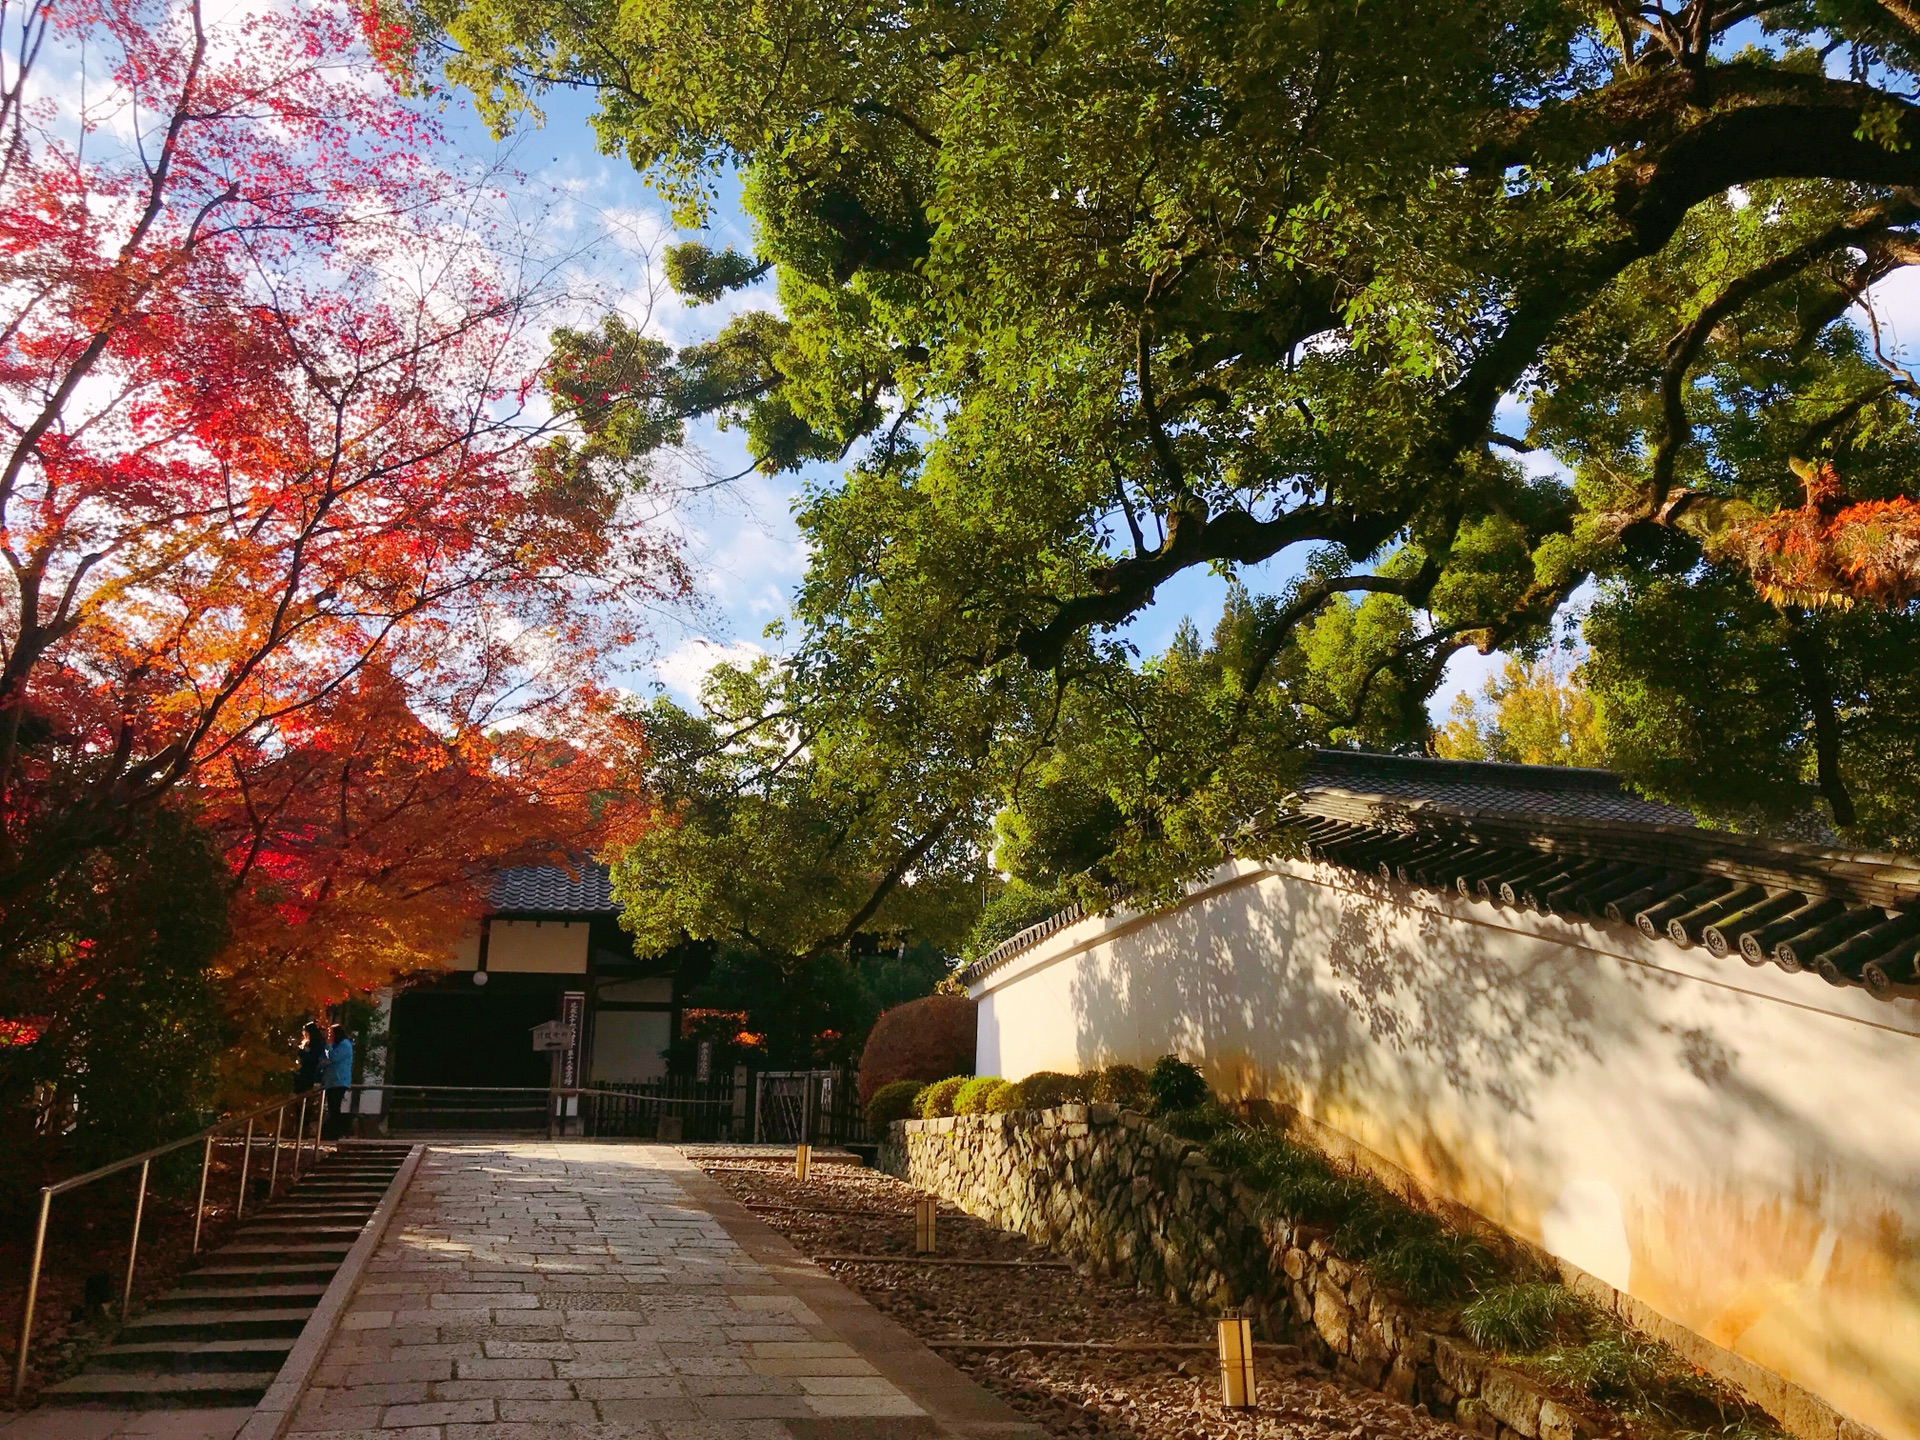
pixel 1144 1206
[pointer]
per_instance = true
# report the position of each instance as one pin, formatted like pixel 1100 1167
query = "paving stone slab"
pixel 585 1291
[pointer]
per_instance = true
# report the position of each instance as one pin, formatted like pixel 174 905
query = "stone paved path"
pixel 542 1291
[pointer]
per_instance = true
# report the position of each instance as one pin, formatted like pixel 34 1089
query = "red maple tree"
pixel 282 539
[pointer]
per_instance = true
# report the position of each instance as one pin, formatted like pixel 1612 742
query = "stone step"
pixel 253 1297
pixel 294 1230
pixel 228 1276
pixel 332 1251
pixel 161 1357
pixel 214 1323
pixel 162 1392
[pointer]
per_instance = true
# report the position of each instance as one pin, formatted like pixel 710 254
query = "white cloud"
pixel 683 669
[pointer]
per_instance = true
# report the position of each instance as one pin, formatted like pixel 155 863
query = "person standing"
pixel 338 1077
pixel 312 1053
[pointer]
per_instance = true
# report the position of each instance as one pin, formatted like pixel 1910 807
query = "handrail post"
pixel 200 1205
pixel 299 1137
pixel 319 1125
pixel 246 1158
pixel 133 1246
pixel 279 1124
pixel 33 1291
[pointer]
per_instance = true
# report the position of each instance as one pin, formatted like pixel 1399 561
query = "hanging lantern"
pixel 1236 1361
pixel 923 1213
pixel 802 1154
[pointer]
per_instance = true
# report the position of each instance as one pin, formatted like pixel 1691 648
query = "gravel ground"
pixel 1167 1395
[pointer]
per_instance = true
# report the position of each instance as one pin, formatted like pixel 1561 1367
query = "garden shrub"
pixel 1175 1085
pixel 1044 1089
pixel 972 1097
pixel 1002 1099
pixel 937 1099
pixel 922 1040
pixel 1122 1085
pixel 892 1101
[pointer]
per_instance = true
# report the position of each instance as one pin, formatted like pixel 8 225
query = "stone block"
pixel 1459 1364
pixel 1402 1380
pixel 1557 1422
pixel 1469 1414
pixel 1293 1263
pixel 1512 1401
pixel 1332 1319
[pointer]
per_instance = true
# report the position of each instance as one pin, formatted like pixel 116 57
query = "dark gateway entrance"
pixel 459 1033
pixel 461 1041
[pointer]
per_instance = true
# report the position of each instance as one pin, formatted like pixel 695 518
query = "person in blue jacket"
pixel 337 1075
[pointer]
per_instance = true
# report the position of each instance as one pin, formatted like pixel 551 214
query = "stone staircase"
pixel 222 1334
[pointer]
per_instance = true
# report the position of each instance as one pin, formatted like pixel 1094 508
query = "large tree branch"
pixel 1684 348
pixel 897 872
pixel 1194 538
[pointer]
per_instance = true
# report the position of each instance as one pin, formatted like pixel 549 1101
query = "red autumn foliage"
pixel 926 1040
pixel 1833 549
pixel 285 544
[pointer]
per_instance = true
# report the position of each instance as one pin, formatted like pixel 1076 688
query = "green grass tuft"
pixel 1522 1318
pixel 1434 1266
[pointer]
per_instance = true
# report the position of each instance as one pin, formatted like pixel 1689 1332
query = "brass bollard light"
pixel 1236 1361
pixel 802 1155
pixel 924 1210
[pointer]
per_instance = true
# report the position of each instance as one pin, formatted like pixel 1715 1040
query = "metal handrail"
pixel 145 1161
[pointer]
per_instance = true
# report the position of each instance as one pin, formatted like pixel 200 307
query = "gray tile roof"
pixel 1578 844
pixel 1488 787
pixel 554 890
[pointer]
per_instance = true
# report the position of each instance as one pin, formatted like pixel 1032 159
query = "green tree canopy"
pixel 1085 296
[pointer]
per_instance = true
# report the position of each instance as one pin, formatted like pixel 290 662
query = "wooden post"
pixel 924 1211
pixel 1237 1391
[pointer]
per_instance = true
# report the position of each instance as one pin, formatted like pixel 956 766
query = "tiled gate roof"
pixel 1577 844
pixel 554 890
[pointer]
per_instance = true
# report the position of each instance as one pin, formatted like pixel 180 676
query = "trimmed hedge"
pixel 892 1101
pixel 1122 1085
pixel 937 1099
pixel 1002 1099
pixel 1176 1085
pixel 1044 1089
pixel 973 1096
pixel 922 1040
pixel 1171 1087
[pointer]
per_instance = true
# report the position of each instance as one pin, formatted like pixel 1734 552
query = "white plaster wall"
pixel 628 1044
pixel 1738 1147
pixel 545 947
